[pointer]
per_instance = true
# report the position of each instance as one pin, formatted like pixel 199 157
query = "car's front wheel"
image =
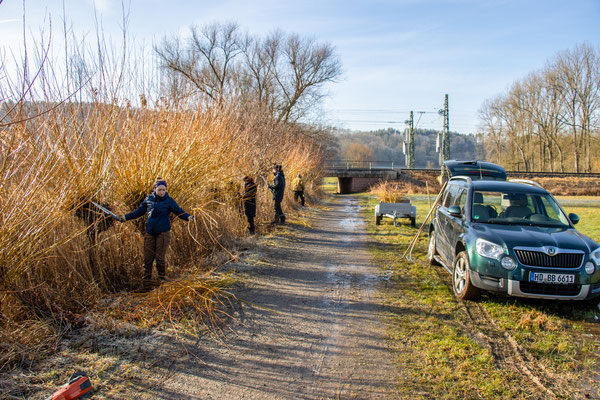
pixel 432 249
pixel 461 278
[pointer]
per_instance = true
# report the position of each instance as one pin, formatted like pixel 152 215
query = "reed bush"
pixel 58 253
pixel 389 192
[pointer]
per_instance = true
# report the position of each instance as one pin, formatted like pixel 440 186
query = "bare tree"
pixel 259 57
pixel 578 73
pixel 543 107
pixel 491 126
pixel 552 111
pixel 305 66
pixel 207 60
pixel 283 74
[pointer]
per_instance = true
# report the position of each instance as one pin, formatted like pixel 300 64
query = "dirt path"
pixel 324 338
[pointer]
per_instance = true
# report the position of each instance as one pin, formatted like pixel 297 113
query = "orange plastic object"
pixel 74 390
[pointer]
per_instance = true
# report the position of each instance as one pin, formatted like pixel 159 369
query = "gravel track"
pixel 308 325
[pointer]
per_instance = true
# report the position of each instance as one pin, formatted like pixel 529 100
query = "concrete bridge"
pixel 356 177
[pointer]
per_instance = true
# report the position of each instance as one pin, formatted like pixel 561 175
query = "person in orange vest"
pixel 298 189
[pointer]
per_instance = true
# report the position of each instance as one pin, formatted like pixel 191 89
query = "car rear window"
pixel 477 172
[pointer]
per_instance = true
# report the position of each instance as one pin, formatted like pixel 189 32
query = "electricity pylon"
pixel 409 143
pixel 443 140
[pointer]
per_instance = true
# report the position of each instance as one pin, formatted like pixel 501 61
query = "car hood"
pixel 535 236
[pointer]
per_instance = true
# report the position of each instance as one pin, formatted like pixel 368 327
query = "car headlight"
pixel 596 256
pixel 489 249
pixel 590 268
pixel 508 263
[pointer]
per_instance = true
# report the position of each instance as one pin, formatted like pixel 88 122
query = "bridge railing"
pixel 334 164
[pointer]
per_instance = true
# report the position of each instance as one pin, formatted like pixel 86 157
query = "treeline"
pixel 387 145
pixel 549 120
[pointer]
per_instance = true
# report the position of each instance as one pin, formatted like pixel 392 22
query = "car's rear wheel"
pixel 461 279
pixel 432 249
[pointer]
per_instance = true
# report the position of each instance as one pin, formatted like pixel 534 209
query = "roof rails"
pixel 527 182
pixel 462 178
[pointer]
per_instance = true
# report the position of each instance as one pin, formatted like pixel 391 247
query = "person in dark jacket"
pixel 249 199
pixel 278 188
pixel 158 207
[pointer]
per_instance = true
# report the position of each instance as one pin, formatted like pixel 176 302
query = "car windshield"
pixel 517 208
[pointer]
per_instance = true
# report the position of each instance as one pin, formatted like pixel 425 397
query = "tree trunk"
pixel 575 149
pixel 523 158
pixel 550 156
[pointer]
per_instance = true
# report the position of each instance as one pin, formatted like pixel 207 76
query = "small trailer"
pixel 395 210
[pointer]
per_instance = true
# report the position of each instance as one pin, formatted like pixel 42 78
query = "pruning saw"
pixel 105 210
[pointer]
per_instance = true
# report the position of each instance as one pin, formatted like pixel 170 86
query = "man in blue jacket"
pixel 278 188
pixel 158 207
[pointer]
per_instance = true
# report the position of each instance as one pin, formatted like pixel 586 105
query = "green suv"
pixel 510 237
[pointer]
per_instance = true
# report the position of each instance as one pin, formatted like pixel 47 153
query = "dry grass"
pixel 536 320
pixel 419 183
pixel 389 192
pixel 195 303
pixel 570 186
pixel 408 183
pixel 58 254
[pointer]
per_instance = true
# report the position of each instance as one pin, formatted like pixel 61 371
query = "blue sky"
pixel 397 55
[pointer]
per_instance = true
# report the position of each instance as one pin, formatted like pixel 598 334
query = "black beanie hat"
pixel 160 181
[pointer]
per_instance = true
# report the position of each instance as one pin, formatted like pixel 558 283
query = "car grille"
pixel 550 289
pixel 539 259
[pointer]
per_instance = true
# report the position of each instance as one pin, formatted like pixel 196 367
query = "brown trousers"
pixel 155 247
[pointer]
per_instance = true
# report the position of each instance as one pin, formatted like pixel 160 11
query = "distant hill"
pixel 386 145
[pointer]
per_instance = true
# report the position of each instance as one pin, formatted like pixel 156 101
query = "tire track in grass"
pixel 504 348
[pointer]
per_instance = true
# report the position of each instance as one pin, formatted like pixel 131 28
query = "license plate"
pixel 542 277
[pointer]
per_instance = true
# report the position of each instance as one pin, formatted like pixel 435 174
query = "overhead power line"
pixel 374 110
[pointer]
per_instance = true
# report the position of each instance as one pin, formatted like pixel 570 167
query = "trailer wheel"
pixel 413 222
pixel 378 220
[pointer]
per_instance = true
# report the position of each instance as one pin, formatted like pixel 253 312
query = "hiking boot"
pixel 146 286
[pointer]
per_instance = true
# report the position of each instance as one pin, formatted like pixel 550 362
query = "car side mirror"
pixel 574 218
pixel 454 211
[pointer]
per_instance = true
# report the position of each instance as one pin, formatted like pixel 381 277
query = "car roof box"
pixel 475 170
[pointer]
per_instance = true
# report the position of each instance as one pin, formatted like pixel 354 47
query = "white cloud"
pixel 102 6
pixel 8 21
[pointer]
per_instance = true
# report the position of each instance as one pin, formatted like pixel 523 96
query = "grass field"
pixel 446 352
pixel 588 209
pixel 330 185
